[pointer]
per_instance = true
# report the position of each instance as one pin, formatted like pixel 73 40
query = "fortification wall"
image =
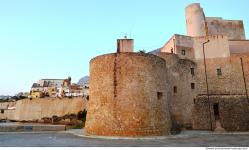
pixel 231 80
pixel 217 47
pixel 128 96
pixel 239 46
pixel 179 76
pixel 226 89
pixel 233 29
pixel 36 109
pixel 5 105
pixel 233 112
pixel 199 25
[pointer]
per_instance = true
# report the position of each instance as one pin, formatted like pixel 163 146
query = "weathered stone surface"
pixel 128 96
pixel 233 112
pixel 199 25
pixel 179 76
pixel 230 82
pixel 36 109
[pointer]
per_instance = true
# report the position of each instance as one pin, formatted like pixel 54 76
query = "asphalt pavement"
pixel 75 138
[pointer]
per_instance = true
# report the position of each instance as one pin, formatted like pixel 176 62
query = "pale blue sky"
pixel 57 38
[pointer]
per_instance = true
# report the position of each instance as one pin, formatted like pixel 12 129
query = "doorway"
pixel 216 111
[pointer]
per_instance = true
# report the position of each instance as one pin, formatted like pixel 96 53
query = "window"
pixel 192 71
pixel 183 52
pixel 2 111
pixel 159 95
pixel 219 73
pixel 175 89
pixel 192 85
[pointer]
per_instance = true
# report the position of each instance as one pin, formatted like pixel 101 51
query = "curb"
pixel 80 133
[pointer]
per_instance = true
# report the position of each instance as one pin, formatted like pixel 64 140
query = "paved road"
pixel 65 139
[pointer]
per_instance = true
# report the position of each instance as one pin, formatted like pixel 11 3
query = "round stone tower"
pixel 195 20
pixel 128 96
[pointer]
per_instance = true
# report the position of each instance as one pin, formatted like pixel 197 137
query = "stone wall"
pixel 5 105
pixel 233 29
pixel 217 47
pixel 233 112
pixel 128 96
pixel 199 25
pixel 231 80
pixel 36 109
pixel 239 46
pixel 179 76
pixel 228 89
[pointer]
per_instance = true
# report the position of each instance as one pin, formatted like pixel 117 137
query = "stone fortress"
pixel 196 81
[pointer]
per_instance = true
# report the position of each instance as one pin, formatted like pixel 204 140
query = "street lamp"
pixel 205 65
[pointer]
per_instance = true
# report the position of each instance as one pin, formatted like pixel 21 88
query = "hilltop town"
pixel 56 88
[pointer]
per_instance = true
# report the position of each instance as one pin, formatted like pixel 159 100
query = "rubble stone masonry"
pixel 36 109
pixel 128 96
pixel 233 112
pixel 231 79
pixel 179 77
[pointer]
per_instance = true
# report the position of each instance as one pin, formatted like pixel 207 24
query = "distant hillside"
pixel 83 80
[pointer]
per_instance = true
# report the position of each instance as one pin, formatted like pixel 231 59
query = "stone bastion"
pixel 128 96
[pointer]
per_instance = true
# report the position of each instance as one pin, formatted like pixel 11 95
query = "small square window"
pixel 159 95
pixel 219 72
pixel 192 85
pixel 183 52
pixel 2 111
pixel 175 89
pixel 192 71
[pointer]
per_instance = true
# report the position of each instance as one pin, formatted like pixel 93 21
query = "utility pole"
pixel 205 66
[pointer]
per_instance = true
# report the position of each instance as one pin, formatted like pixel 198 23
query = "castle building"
pixel 209 68
pixel 128 94
pixel 196 81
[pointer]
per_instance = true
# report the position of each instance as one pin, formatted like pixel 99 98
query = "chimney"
pixel 125 45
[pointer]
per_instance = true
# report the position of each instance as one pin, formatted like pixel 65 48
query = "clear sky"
pixel 57 38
